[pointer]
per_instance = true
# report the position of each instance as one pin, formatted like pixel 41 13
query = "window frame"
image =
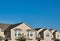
pixel 18 32
pixel 47 35
pixel 29 33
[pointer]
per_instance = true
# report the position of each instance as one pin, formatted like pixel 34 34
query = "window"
pixel 17 32
pixel 29 33
pixel 39 35
pixel 58 36
pixel 47 34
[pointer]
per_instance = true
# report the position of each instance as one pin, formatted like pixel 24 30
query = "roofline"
pixel 28 25
pixel 20 24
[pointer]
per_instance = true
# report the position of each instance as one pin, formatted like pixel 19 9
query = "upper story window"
pixel 58 36
pixel 30 33
pixel 39 35
pixel 18 32
pixel 47 34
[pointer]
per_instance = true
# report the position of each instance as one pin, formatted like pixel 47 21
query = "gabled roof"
pixel 8 26
pixel 14 25
pixel 43 30
pixel 51 29
pixel 37 29
pixel 4 26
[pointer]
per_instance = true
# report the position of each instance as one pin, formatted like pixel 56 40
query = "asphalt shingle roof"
pixel 4 26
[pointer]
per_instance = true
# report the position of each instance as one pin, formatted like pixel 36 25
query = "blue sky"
pixel 37 13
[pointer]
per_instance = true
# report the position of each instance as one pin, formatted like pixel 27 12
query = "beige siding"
pixel 2 34
pixel 57 35
pixel 52 31
pixel 44 35
pixel 48 38
pixel 24 29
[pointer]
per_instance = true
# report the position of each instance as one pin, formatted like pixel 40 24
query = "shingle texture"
pixel 37 29
pixel 4 26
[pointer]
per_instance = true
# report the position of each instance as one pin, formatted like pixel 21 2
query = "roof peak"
pixel 37 29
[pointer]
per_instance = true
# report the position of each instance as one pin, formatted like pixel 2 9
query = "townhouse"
pixel 56 34
pixel 44 35
pixel 11 32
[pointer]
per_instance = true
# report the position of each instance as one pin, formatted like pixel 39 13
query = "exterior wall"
pixel 48 38
pixel 2 34
pixel 38 32
pixel 52 31
pixel 57 35
pixel 44 33
pixel 7 34
pixel 24 29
